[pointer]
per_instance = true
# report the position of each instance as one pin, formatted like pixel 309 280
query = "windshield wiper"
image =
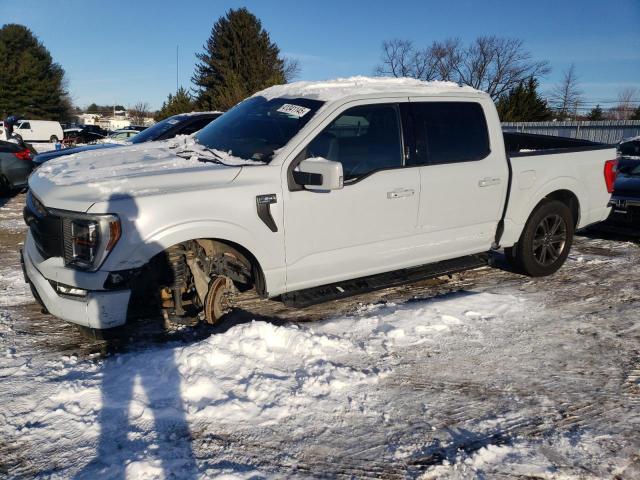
pixel 191 153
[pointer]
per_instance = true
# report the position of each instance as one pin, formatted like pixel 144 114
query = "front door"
pixel 365 227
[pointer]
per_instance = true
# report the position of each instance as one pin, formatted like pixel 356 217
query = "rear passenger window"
pixel 449 132
pixel 364 139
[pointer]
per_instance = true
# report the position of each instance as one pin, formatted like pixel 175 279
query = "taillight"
pixel 610 173
pixel 23 154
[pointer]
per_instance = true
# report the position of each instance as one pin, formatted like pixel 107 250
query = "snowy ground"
pixel 43 147
pixel 486 375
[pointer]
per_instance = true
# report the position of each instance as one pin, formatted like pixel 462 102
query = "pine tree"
pixel 239 59
pixel 31 83
pixel 523 104
pixel 181 102
pixel 596 114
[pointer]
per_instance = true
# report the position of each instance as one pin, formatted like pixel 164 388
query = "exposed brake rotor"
pixel 219 299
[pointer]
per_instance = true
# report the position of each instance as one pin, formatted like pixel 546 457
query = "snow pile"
pixel 342 87
pixel 254 377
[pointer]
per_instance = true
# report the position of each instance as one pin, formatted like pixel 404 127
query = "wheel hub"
pixel 549 239
pixel 219 299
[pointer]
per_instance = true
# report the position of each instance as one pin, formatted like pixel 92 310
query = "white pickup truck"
pixel 306 192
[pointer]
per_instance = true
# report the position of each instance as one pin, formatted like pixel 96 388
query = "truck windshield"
pixel 256 127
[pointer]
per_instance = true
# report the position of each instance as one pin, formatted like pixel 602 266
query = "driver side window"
pixel 364 139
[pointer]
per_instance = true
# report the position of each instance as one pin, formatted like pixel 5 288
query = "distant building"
pixel 114 123
pixel 88 119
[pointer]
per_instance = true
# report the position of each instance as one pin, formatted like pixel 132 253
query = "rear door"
pixel 463 180
pixel 367 226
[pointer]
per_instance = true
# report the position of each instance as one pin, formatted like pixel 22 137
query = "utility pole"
pixel 177 50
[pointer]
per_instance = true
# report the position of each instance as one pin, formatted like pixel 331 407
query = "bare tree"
pixel 398 59
pixel 496 65
pixel 627 103
pixel 291 68
pixel 139 112
pixel 492 64
pixel 566 97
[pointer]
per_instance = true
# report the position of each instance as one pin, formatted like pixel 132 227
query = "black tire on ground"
pixel 546 240
pixel 5 186
pixel 53 139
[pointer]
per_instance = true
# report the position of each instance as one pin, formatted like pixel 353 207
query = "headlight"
pixel 88 239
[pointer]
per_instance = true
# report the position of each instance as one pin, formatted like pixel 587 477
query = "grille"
pixel 46 229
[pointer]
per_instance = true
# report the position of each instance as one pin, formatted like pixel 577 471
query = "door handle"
pixel 488 181
pixel 400 193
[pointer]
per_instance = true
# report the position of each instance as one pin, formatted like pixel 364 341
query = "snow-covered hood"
pixel 78 181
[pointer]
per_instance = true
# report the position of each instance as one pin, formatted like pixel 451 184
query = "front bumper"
pixel 98 309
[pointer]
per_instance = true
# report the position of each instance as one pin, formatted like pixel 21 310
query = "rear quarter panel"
pixel 536 176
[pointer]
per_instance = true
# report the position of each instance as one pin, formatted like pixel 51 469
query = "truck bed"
pixel 525 144
pixel 542 164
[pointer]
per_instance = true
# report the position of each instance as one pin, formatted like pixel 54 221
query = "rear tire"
pixel 5 187
pixel 53 139
pixel 546 240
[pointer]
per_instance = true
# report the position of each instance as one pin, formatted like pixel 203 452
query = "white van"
pixel 39 130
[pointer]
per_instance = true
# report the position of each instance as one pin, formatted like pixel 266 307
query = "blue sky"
pixel 125 51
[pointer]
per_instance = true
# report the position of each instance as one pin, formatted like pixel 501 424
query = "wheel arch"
pixel 567 197
pixel 561 188
pixel 267 266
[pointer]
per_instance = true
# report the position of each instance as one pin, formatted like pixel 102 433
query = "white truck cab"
pixel 306 192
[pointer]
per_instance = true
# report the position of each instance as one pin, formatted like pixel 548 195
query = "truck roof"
pixel 339 88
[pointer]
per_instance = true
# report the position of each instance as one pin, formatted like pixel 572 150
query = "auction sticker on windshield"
pixel 294 110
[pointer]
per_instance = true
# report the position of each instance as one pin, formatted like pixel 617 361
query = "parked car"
pixel 282 194
pixel 122 135
pixel 182 124
pixel 15 166
pixel 80 135
pixel 37 131
pixel 625 199
pixel 138 128
pixel 95 129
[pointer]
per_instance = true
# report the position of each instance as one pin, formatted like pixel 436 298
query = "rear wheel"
pixel 53 139
pixel 545 241
pixel 5 186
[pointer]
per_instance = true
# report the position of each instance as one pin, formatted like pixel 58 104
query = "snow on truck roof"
pixel 344 87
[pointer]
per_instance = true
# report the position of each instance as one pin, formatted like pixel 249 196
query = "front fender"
pixel 142 250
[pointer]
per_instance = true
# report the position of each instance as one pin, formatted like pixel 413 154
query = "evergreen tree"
pixel 523 104
pixel 596 114
pixel 636 114
pixel 239 59
pixel 31 83
pixel 181 102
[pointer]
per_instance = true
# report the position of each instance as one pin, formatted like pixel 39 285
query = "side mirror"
pixel 319 174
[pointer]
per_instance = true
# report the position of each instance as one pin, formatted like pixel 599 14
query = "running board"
pixel 347 288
